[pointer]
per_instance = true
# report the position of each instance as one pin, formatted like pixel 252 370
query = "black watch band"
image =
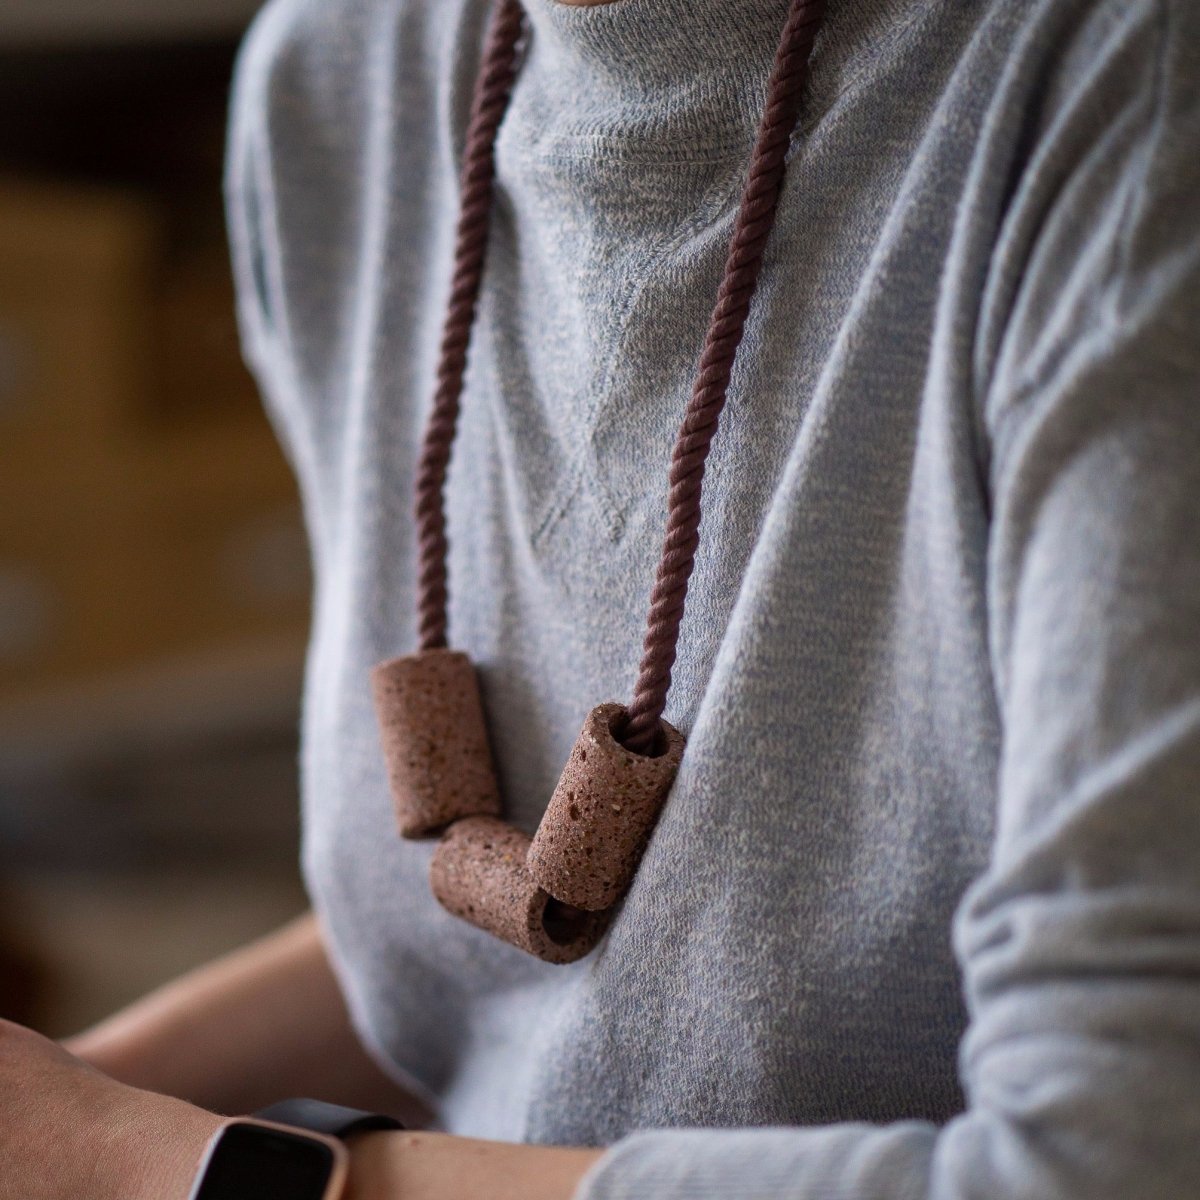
pixel 330 1119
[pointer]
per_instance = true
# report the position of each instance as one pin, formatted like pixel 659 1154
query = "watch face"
pixel 250 1162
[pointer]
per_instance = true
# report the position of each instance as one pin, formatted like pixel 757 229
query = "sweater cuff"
pixel 867 1161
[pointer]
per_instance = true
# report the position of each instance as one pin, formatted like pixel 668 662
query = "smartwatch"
pixel 293 1150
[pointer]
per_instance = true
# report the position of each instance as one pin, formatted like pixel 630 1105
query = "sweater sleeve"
pixel 1080 945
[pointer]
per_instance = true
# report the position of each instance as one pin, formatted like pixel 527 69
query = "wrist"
pixel 437 1166
pixel 162 1145
pixel 372 1173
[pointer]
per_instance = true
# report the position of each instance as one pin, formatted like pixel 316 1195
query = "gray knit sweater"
pixel 921 918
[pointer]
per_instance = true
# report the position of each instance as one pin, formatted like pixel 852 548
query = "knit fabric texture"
pixel 921 917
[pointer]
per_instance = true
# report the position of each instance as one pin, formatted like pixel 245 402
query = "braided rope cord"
pixel 755 217
pixel 492 90
pixel 752 227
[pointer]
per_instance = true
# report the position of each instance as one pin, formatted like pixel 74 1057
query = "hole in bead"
pixel 563 923
pixel 618 722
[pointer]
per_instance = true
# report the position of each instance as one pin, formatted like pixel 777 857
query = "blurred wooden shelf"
pixel 145 506
pixel 206 695
pixel 153 570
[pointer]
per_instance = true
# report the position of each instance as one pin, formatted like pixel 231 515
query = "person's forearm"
pixel 432 1166
pixel 263 1023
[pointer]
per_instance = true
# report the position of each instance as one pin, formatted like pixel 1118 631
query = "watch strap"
pixel 332 1119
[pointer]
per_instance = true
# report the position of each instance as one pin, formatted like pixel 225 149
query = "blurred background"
pixel 153 571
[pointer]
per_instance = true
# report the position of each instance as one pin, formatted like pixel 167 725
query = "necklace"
pixel 553 895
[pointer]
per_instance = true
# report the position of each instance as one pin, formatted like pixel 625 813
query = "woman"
pixel 921 914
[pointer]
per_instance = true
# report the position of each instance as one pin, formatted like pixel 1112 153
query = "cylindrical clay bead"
pixel 478 873
pixel 588 846
pixel 434 741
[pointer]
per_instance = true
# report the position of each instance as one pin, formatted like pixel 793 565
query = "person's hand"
pixel 67 1132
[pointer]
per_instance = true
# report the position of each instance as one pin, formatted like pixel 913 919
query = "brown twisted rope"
pixel 756 215
pixel 492 91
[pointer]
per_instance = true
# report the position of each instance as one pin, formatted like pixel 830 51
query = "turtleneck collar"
pixel 685 73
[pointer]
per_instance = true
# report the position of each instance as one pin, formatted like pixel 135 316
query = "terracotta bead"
pixel 588 846
pixel 434 741
pixel 478 873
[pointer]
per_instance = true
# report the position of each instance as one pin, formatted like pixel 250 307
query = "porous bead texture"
pixel 435 741
pixel 478 873
pixel 591 839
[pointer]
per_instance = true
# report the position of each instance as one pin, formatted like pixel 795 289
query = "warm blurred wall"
pixel 144 506
pixel 114 21
pixel 153 572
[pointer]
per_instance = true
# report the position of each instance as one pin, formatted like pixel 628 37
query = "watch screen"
pixel 253 1163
